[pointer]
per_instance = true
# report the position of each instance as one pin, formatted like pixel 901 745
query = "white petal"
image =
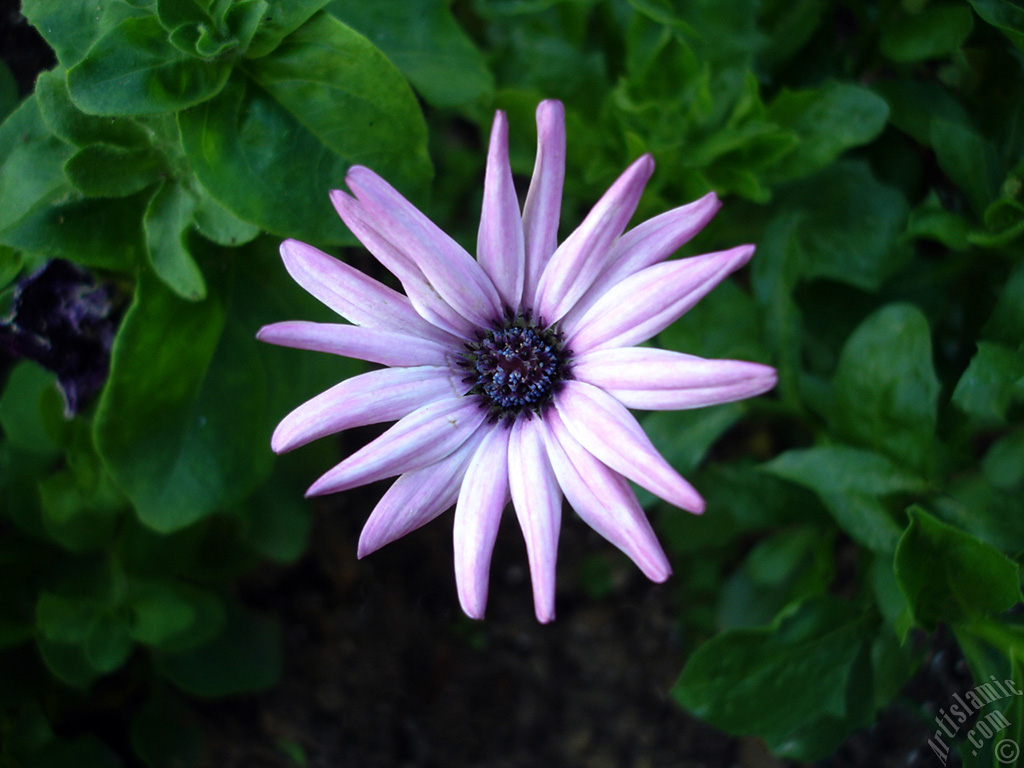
pixel 543 205
pixel 482 498
pixel 424 437
pixel 500 249
pixel 417 497
pixel 657 379
pixel 424 298
pixel 647 302
pixel 538 503
pixel 604 500
pixel 371 344
pixel 356 297
pixel 370 398
pixel 606 429
pixel 584 254
pixel 453 273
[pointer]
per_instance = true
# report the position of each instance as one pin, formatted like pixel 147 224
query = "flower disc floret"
pixel 517 366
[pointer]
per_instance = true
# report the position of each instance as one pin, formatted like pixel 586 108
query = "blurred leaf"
pixel 805 659
pixel 992 382
pixel 10 265
pixel 8 92
pixel 885 388
pixel 947 575
pixel 1007 17
pixel 828 121
pixel 279 520
pixel 914 105
pixel 72 125
pixel 31 160
pixel 850 225
pixel 167 224
pixel 725 324
pixel 245 657
pixel 107 643
pixel 107 170
pixel 967 159
pixel 1004 462
pixel 1006 324
pixel 134 70
pixel 852 484
pixel 930 220
pixel 88 750
pixel 174 616
pixel 424 41
pixel 20 415
pixel 934 31
pixel 80 517
pixel 166 734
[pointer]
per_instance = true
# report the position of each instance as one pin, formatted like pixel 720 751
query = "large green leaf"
pixel 134 70
pixel 948 575
pixel 31 162
pixel 992 382
pixel 828 121
pixel 167 223
pixel 852 484
pixel 72 26
pixel 932 32
pixel 885 388
pixel 776 681
pixel 424 41
pixel 270 153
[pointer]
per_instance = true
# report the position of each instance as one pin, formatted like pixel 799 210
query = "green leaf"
pixel 947 575
pixel 805 659
pixel 31 162
pixel 70 124
pixel 20 410
pixel 102 233
pixel 1005 16
pixel 134 70
pixel 967 159
pixel 932 221
pixel 914 105
pixel 106 170
pixel 167 223
pixel 10 265
pixel 1006 324
pixel 852 484
pixel 72 26
pixel 245 657
pixel 174 616
pixel 154 428
pixel 8 92
pixel 828 121
pixel 993 381
pixel 849 227
pixel 216 223
pixel 107 643
pixel 426 44
pixel 283 18
pixel 885 388
pixel 270 154
pixel 174 13
pixel 1003 464
pixel 934 31
pixel 684 437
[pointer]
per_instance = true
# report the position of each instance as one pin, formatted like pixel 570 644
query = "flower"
pixel 511 375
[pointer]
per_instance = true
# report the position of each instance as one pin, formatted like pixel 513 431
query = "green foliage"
pixel 871 151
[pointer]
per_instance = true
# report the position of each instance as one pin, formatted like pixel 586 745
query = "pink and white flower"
pixel 510 376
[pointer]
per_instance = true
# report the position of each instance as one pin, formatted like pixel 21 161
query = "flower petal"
pixel 650 300
pixel 657 379
pixel 370 398
pixel 606 429
pixel 356 297
pixel 584 254
pixel 417 497
pixel 538 503
pixel 424 298
pixel 424 437
pixel 647 244
pixel 543 206
pixel 452 272
pixel 499 248
pixel 372 344
pixel 482 499
pixel 604 500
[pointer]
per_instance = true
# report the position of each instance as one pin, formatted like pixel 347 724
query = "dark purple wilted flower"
pixel 64 321
pixel 510 375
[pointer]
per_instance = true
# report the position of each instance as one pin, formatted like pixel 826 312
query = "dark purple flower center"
pixel 516 366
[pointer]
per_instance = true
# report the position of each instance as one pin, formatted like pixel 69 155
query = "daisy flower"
pixel 510 376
